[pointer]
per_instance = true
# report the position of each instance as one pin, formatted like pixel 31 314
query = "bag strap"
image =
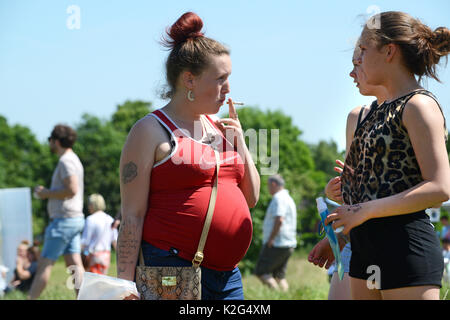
pixel 198 257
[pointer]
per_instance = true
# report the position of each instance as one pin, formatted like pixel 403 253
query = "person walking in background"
pixel 279 236
pixel 168 168
pixel 65 209
pixel 97 237
pixel 397 166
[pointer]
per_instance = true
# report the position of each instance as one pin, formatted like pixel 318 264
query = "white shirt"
pixel 98 234
pixel 282 205
pixel 68 165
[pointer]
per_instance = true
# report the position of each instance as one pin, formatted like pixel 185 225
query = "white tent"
pixel 15 224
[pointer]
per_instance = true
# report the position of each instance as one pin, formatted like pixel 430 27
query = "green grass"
pixel 306 282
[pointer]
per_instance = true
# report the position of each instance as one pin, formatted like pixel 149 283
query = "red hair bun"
pixel 187 27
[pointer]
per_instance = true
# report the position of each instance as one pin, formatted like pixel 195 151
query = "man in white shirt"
pixel 65 209
pixel 279 236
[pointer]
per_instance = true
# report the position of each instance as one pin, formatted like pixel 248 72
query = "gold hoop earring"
pixel 190 96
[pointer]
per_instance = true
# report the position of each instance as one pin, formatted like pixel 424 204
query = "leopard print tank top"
pixel 381 161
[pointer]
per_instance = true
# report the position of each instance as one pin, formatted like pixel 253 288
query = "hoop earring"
pixel 190 96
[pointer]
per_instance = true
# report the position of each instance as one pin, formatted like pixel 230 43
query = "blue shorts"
pixel 346 255
pixel 62 236
pixel 216 285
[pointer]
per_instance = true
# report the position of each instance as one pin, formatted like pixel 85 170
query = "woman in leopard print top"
pixel 397 165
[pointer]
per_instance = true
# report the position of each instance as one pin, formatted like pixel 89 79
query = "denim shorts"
pixel 62 236
pixel 346 255
pixel 216 285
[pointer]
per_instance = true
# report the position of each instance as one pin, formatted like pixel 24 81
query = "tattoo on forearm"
pixel 355 208
pixel 129 172
pixel 128 244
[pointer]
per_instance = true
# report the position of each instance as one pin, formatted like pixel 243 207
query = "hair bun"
pixel 440 40
pixel 188 26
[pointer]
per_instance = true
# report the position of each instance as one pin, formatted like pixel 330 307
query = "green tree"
pixel 24 162
pixel 128 113
pixel 324 155
pixel 99 146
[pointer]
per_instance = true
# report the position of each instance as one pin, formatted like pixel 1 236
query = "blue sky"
pixel 288 55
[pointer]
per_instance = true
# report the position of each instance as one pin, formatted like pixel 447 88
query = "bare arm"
pixel 68 191
pixel 22 272
pixel 136 163
pixel 352 122
pixel 250 183
pixel 333 188
pixel 275 230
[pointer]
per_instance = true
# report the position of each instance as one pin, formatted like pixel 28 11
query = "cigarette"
pixel 239 103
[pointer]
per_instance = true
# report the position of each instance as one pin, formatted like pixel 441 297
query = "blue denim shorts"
pixel 62 236
pixel 346 255
pixel 216 285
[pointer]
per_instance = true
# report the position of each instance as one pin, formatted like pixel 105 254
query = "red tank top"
pixel 180 189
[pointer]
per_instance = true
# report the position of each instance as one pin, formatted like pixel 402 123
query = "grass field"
pixel 307 282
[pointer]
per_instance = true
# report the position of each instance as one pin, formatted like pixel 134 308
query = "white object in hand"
pixel 101 287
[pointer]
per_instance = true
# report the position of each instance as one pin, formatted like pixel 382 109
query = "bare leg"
pixel 270 281
pixel 41 278
pixel 283 284
pixel 360 290
pixel 412 293
pixel 74 259
pixel 340 289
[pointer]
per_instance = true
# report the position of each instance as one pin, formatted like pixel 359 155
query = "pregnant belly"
pixel 231 230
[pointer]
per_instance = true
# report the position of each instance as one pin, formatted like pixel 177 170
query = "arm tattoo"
pixel 128 244
pixel 355 208
pixel 129 172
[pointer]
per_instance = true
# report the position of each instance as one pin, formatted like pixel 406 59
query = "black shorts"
pixel 404 249
pixel 273 261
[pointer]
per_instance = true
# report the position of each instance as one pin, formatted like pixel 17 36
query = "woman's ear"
pixel 188 80
pixel 391 51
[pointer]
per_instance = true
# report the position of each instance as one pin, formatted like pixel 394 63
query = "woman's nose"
pixel 226 87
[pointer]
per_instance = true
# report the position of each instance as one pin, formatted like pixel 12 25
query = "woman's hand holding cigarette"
pixel 231 127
